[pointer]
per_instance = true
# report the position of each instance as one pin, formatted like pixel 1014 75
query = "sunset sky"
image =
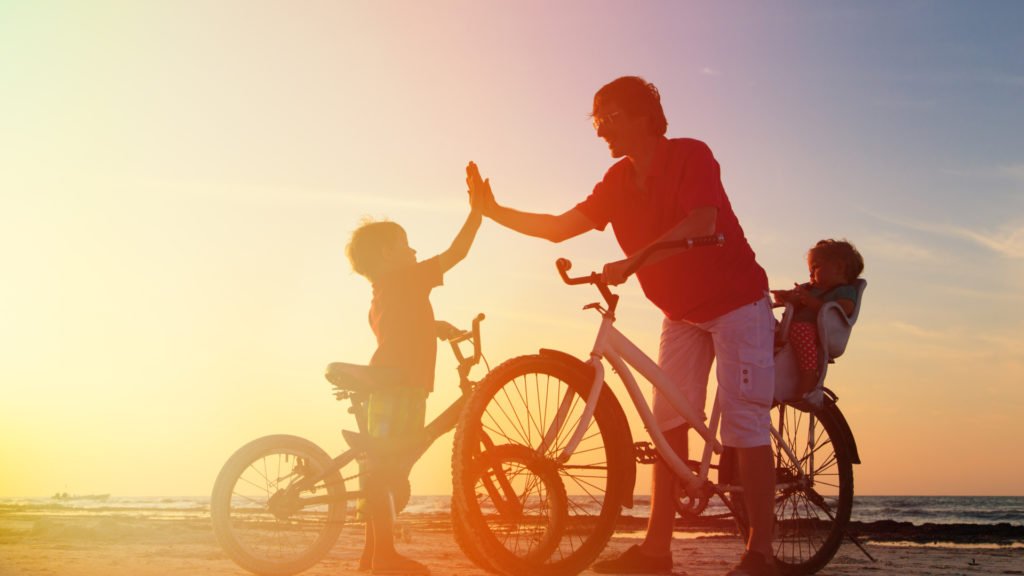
pixel 179 180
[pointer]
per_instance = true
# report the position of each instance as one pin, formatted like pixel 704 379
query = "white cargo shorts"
pixel 742 342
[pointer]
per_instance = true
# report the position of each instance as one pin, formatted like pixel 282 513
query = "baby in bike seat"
pixel 832 295
pixel 403 322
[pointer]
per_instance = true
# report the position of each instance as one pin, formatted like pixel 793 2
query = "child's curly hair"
pixel 844 252
pixel 368 243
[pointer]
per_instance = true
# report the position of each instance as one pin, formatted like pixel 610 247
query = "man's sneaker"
pixel 754 564
pixel 634 561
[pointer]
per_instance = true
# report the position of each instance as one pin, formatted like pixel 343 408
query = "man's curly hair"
pixel 637 97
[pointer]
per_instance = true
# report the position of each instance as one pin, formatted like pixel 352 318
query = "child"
pixel 403 322
pixel 835 266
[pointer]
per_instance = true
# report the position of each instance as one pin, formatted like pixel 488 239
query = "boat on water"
pixel 64 496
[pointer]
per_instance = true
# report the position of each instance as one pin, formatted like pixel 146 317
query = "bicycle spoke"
pixel 812 485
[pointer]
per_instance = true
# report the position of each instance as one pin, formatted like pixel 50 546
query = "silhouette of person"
pixel 403 322
pixel 715 301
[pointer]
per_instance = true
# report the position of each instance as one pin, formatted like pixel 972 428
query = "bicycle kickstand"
pixel 859 545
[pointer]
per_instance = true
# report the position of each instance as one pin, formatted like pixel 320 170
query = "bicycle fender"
pixel 607 397
pixel 836 415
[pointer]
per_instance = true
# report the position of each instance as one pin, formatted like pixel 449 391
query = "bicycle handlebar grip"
pixel 476 336
pixel 563 265
pixel 712 240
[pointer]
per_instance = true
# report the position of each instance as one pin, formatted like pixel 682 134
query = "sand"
pixel 112 545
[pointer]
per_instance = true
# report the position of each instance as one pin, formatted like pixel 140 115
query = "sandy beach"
pixel 111 545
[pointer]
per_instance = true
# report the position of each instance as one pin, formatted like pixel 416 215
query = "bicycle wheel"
pixel 469 546
pixel 813 488
pixel 537 402
pixel 522 512
pixel 265 517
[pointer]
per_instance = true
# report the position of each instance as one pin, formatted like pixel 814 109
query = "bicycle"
pixel 561 408
pixel 279 502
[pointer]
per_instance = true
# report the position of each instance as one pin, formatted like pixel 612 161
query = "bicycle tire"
pixel 810 519
pixel 514 404
pixel 523 526
pixel 469 546
pixel 262 520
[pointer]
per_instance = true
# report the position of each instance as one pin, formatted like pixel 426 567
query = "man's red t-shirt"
pixel 403 321
pixel 697 285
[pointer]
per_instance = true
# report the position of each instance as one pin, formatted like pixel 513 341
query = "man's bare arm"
pixel 699 222
pixel 546 226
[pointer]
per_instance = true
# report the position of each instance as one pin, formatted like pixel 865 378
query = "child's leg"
pixel 393 414
pixel 803 336
pixel 366 558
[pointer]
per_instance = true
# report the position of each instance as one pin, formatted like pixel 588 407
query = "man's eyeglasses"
pixel 608 119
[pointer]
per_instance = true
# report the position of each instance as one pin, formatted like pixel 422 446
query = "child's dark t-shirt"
pixel 840 292
pixel 403 322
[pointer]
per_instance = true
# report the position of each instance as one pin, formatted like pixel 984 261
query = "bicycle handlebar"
pixel 564 265
pixel 714 240
pixel 597 279
pixel 472 334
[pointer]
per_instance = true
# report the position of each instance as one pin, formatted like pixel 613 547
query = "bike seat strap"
pixel 360 378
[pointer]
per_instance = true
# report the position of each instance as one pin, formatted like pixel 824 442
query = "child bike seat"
pixel 359 378
pixel 834 328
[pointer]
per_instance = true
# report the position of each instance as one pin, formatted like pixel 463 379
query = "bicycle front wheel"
pixel 520 521
pixel 268 515
pixel 537 402
pixel 814 488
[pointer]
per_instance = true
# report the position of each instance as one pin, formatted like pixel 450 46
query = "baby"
pixel 834 266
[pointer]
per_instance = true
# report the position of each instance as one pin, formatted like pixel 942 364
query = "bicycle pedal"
pixel 645 453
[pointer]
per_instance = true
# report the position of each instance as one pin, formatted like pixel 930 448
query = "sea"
pixel 916 510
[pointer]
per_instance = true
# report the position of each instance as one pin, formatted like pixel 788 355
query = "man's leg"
pixel 746 386
pixel 757 476
pixel 664 485
pixel 685 355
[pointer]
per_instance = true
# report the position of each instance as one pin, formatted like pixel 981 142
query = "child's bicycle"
pixel 559 407
pixel 279 503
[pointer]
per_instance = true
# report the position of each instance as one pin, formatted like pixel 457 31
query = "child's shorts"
pixel 804 338
pixel 396 412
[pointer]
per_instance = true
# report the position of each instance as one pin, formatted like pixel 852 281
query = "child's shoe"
pixel 754 564
pixel 399 565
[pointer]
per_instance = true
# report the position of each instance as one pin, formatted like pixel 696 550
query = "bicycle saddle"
pixel 360 378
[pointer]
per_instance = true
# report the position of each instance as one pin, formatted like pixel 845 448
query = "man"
pixel 714 300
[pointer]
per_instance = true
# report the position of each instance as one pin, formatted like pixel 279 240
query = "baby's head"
pixel 378 246
pixel 839 255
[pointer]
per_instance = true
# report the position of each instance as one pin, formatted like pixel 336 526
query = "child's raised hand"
pixel 480 196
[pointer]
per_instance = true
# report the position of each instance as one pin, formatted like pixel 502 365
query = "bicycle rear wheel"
pixel 537 402
pixel 814 488
pixel 265 516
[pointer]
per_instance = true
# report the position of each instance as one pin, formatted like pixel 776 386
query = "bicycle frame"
pixel 439 426
pixel 613 346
